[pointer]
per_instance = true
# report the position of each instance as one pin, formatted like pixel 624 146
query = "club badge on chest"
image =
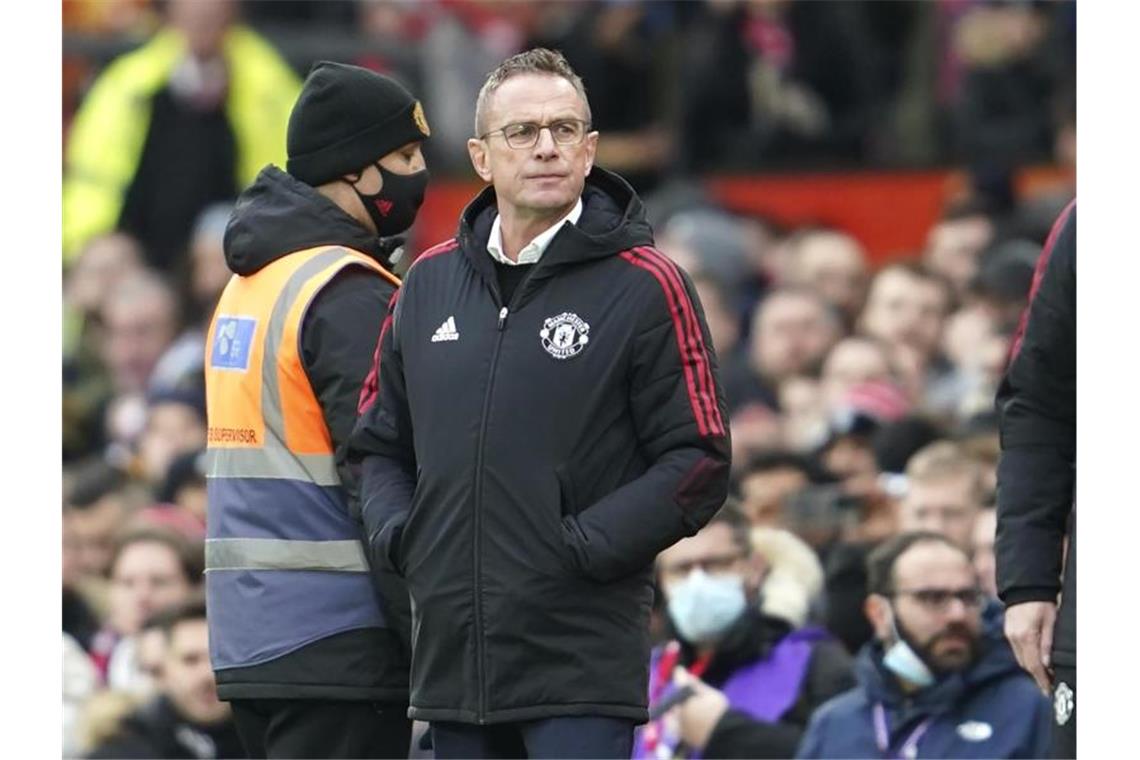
pixel 564 336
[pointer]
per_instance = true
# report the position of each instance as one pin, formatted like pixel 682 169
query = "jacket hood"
pixel 795 576
pixel 995 661
pixel 613 220
pixel 278 215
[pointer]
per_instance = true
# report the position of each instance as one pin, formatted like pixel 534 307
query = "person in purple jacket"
pixel 939 679
pixel 755 679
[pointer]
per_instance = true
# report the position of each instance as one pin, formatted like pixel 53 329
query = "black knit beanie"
pixel 347 118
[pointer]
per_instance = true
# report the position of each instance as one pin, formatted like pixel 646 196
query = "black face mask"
pixel 394 208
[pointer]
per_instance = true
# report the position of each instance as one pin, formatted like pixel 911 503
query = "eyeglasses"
pixel 524 134
pixel 718 565
pixel 938 599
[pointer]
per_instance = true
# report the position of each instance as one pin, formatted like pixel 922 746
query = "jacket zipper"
pixel 477 555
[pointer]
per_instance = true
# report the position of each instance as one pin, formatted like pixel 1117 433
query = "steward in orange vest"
pixel 302 633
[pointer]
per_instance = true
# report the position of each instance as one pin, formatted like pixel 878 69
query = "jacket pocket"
pixel 567 494
pixel 569 534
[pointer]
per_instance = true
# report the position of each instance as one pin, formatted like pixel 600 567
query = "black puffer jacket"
pixel 274 217
pixel 525 462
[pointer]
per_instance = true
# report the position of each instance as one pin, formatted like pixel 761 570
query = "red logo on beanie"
pixel 383 206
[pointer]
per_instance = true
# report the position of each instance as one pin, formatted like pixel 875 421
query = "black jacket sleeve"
pixel 738 734
pixel 382 442
pixel 338 340
pixel 681 427
pixel 338 344
pixel 1037 404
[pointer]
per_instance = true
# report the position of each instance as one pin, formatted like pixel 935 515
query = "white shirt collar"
pixel 533 250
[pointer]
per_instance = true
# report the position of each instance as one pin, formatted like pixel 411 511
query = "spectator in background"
pixel 792 331
pixel 175 425
pixel 939 680
pixel 833 264
pixel 613 47
pixel 181 363
pixel 943 493
pixel 982 549
pixel 804 419
pixel 140 319
pixel 209 273
pixel 185 720
pixel 97 506
pixel 756 677
pixel 105 262
pixel 708 241
pixel 851 362
pixel 79 622
pixel 720 313
pixel 768 480
pixel 204 101
pixel 464 41
pixel 771 81
pixel 976 349
pixel 907 306
pixel 1002 112
pixel 151 568
pixel 955 243
pixel 896 442
pixel 185 485
pixel 1005 275
pixel 906 309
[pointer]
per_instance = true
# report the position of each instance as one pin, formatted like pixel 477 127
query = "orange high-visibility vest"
pixel 284 561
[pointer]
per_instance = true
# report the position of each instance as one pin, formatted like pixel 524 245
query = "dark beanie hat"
pixel 347 118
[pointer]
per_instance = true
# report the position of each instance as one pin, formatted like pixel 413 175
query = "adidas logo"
pixel 446 331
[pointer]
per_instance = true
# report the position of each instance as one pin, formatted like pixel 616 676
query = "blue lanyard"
pixel 909 748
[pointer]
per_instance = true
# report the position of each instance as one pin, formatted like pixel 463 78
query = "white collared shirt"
pixel 533 250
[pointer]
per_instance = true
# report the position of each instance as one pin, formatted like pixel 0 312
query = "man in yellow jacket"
pixel 185 120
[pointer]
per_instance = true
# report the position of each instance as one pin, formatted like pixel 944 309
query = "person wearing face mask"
pixel 939 679
pixel 755 677
pixel 309 645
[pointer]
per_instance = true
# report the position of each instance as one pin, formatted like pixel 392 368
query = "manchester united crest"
pixel 565 335
pixel 1063 702
pixel 420 119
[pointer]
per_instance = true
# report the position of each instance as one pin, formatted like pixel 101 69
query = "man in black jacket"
pixel 1036 481
pixel 185 720
pixel 547 418
pixel 331 680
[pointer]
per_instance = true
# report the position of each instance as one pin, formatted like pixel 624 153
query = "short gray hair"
pixel 533 61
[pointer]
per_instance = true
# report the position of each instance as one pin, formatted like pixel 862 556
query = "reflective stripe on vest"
pixel 275 554
pixel 285 564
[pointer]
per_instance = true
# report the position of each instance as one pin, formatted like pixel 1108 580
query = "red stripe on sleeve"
pixel 705 384
pixel 674 313
pixel 445 247
pixel 1038 275
pixel 371 388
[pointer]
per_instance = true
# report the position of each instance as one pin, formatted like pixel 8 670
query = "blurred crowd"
pixel 860 396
